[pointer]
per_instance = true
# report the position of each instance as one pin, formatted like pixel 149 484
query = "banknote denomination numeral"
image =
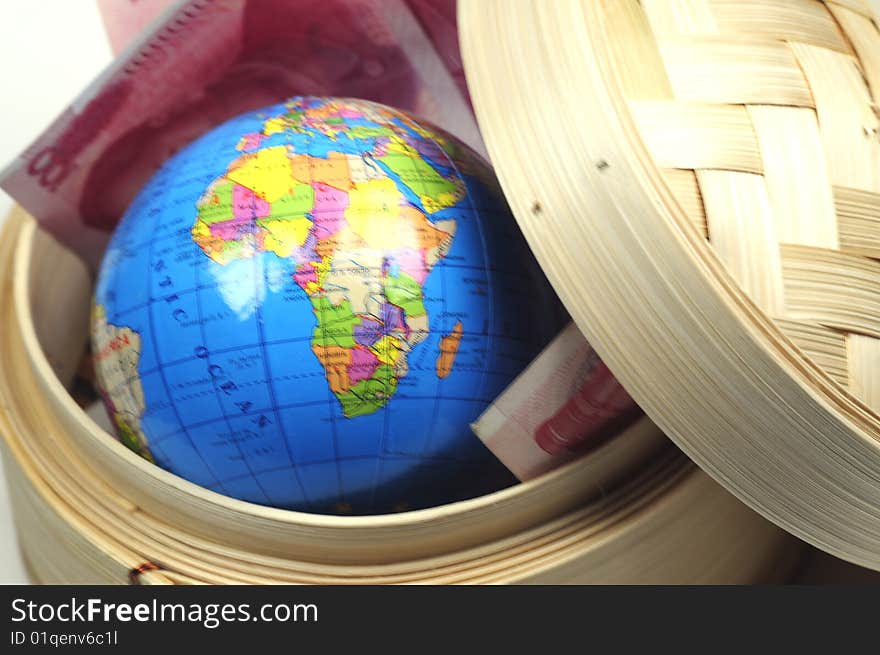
pixel 50 168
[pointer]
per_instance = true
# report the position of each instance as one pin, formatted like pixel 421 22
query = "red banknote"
pixel 205 61
pixel 565 403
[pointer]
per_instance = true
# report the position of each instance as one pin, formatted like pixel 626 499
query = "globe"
pixel 308 306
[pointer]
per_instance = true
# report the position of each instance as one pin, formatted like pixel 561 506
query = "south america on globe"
pixel 309 305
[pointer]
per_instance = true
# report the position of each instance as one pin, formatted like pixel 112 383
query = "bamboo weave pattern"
pixel 763 116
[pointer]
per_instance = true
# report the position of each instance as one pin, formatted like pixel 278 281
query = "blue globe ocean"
pixel 309 305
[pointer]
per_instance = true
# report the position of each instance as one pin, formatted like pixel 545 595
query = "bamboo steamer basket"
pixel 700 180
pixel 90 511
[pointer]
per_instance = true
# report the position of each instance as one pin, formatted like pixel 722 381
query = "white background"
pixel 49 51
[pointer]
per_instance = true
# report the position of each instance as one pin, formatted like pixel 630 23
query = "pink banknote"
pixel 204 61
pixel 126 19
pixel 565 403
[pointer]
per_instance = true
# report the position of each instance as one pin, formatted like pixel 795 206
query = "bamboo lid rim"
pixel 695 351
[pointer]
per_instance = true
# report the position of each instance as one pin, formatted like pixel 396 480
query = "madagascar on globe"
pixel 309 305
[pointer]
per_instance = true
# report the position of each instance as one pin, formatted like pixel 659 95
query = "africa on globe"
pixel 309 305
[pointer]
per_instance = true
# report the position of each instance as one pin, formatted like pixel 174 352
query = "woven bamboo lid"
pixel 701 181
